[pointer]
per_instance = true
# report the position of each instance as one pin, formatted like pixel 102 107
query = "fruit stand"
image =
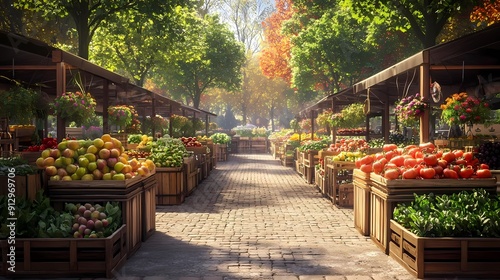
pixel 129 193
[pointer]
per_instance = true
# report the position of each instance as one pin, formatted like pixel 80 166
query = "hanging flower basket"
pixel 409 109
pixel 120 115
pixel 74 106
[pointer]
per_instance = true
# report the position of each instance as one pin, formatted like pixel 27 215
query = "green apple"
pixel 82 151
pixel 92 149
pixel 107 176
pixel 81 171
pixel 67 160
pixel 71 168
pixel 91 157
pixel 46 153
pixel 58 163
pixel 119 176
pixel 83 161
pixel 62 146
pixel 92 166
pixel 74 176
pixel 99 143
pixel 118 167
pixel 66 178
pixel 87 177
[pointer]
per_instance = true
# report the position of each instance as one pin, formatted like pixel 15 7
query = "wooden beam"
pixel 60 89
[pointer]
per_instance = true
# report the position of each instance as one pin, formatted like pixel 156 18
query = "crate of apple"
pixel 190 142
pixel 99 159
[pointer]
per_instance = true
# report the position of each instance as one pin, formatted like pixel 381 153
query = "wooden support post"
pixel 425 92
pixel 105 104
pixel 60 89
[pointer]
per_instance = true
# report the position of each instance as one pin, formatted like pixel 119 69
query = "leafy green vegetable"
pixel 464 214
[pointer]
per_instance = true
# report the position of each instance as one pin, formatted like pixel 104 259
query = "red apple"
pixel 104 153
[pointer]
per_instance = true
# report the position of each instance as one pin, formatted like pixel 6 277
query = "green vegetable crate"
pixel 386 194
pixel 66 257
pixel 444 256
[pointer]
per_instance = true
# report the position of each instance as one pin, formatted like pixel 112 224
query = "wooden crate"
pixel 30 157
pixel 66 257
pixel 258 144
pixel 319 180
pixel 222 152
pixel 310 159
pixel 346 195
pixel 198 150
pixel 361 183
pixel 129 193
pixel 386 194
pixel 190 174
pixel 445 256
pixel 170 189
pixel 25 186
pixel 337 172
pixel 149 207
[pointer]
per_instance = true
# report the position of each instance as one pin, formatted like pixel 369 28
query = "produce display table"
pixel 286 153
pixel 386 194
pixel 221 152
pixel 133 194
pixel 190 174
pixel 67 257
pixel 299 162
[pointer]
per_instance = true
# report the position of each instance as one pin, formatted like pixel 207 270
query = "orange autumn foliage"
pixel 488 12
pixel 276 54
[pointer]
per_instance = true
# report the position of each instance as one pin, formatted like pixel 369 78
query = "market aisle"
pixel 255 219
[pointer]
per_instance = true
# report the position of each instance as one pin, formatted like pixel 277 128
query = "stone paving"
pixel 255 219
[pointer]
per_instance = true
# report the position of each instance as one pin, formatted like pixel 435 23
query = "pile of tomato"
pixel 423 162
pixel 47 143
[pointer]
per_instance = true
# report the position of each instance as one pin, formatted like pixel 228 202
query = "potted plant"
pixel 74 106
pixel 461 109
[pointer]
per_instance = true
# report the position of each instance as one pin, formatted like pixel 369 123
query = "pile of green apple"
pixel 168 152
pixel 99 159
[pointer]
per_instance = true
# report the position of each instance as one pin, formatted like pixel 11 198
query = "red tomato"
pixel 460 162
pixel 389 147
pixel 427 172
pixel 391 173
pixel 466 172
pixel 390 154
pixel 367 159
pixel 458 153
pixel 484 166
pixel 439 154
pixel 419 154
pixel 483 173
pixel 427 147
pixel 398 160
pixel 456 168
pixel 439 169
pixel 410 173
pixel 468 156
pixel 430 159
pixel 449 173
pixel 410 162
pixel 413 151
pixel 443 163
pixel 367 168
pixel 378 166
pixel 448 156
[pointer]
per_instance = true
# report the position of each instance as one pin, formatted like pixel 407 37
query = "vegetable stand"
pixel 386 194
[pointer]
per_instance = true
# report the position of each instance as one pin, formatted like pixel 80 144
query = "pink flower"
pixel 463 117
pixel 469 110
pixel 477 118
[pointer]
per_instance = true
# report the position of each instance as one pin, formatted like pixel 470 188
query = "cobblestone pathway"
pixel 255 219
